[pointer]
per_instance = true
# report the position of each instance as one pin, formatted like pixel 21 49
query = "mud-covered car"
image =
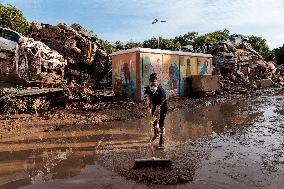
pixel 8 44
pixel 223 59
pixel 28 59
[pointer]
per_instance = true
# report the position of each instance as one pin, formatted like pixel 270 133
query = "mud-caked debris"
pixel 239 64
pixel 27 60
pixel 61 58
pixel 37 62
pixel 86 58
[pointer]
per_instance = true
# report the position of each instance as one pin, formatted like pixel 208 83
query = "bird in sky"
pixel 156 20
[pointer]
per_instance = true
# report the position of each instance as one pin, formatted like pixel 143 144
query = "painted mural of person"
pixel 188 68
pixel 117 86
pixel 204 69
pixel 157 67
pixel 132 80
pixel 126 71
pixel 125 77
pixel 173 75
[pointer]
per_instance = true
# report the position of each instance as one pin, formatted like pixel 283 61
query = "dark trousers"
pixel 163 113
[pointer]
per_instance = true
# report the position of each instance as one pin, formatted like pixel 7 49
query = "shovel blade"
pixel 153 163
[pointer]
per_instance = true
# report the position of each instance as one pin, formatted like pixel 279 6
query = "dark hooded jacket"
pixel 157 98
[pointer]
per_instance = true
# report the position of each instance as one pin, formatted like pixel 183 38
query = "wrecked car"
pixel 223 59
pixel 29 60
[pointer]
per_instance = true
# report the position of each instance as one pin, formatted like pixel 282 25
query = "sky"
pixel 127 20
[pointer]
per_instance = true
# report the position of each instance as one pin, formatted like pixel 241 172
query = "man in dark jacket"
pixel 159 106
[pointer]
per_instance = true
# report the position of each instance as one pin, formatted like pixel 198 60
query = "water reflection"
pixel 190 125
pixel 43 157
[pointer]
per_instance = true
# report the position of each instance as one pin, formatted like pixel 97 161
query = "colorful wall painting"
pixel 204 66
pixel 131 72
pixel 170 74
pixel 151 63
pixel 124 75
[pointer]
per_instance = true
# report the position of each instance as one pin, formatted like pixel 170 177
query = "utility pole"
pixel 155 22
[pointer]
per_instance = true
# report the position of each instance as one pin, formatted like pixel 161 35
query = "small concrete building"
pixel 131 70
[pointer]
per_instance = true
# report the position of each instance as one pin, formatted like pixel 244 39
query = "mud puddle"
pixel 251 159
pixel 238 144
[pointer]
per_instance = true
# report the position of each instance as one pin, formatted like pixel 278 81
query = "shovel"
pixel 153 162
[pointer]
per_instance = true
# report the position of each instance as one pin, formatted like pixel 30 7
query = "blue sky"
pixel 131 20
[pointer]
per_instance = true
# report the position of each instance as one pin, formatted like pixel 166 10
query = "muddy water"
pixel 238 144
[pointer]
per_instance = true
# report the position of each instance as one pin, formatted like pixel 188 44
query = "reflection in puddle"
pixel 185 125
pixel 113 147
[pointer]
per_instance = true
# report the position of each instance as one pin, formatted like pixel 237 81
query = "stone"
pixel 264 83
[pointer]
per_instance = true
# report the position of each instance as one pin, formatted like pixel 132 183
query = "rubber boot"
pixel 162 139
pixel 156 133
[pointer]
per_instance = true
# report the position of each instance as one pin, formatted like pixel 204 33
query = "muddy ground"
pixel 228 141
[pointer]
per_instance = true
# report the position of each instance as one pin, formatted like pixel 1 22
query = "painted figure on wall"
pixel 204 69
pixel 188 68
pixel 157 68
pixel 117 86
pixel 125 77
pixel 126 71
pixel 132 80
pixel 173 76
pixel 147 69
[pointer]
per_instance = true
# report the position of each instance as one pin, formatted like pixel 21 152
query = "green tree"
pixel 118 45
pixel 169 44
pixel 259 45
pixel 279 55
pixel 165 44
pixel 186 39
pixel 150 43
pixel 13 18
pixel 132 44
pixel 107 46
pixel 213 38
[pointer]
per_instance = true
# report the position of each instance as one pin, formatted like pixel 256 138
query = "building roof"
pixel 159 51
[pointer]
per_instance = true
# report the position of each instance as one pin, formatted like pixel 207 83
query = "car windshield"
pixel 229 57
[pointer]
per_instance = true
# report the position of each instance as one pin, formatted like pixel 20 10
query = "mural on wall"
pixel 204 66
pixel 173 75
pixel 131 72
pixel 188 67
pixel 132 90
pixel 124 75
pixel 204 69
pixel 152 63
pixel 170 70
pixel 185 72
pixel 116 82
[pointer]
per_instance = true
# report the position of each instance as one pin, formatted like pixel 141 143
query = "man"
pixel 159 106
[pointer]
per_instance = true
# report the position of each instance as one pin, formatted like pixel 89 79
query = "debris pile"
pixel 87 61
pixel 8 46
pixel 2 93
pixel 29 60
pixel 17 99
pixel 37 62
pixel 238 63
pixel 54 61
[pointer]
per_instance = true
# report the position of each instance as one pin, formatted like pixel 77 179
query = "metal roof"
pixel 159 51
